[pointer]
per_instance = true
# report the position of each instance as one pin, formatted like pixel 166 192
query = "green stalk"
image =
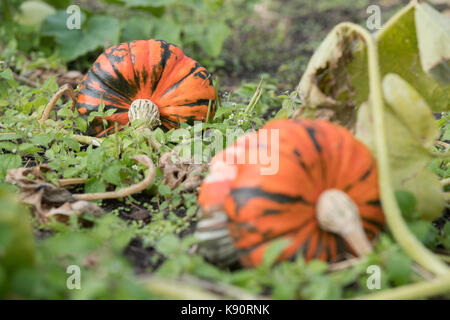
pixel 424 289
pixel 218 99
pixel 397 225
pixel 209 110
pixel 254 100
pixel 6 12
pixel 87 139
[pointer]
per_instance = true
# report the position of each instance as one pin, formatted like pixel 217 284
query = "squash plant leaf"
pixel 411 131
pixel 401 52
pixel 32 13
pixel 433 36
pixel 412 109
pixel 97 32
pixel 326 88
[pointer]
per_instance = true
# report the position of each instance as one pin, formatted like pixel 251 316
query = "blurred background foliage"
pixel 237 39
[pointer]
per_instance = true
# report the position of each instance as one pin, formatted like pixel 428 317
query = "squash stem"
pixel 337 213
pixel 146 111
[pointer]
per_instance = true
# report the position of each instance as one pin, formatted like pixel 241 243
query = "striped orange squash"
pixel 152 69
pixel 314 156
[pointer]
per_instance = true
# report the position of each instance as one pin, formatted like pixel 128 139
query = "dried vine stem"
pixel 71 181
pixel 138 187
pixel 51 104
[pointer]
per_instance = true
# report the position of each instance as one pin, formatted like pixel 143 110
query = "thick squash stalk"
pixel 146 111
pixel 337 213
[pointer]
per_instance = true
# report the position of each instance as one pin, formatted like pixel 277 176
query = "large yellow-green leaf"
pixel 411 130
pixel 411 109
pixel 433 35
pixel 399 53
pixel 33 13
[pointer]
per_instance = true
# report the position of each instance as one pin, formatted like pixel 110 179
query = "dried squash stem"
pixel 337 213
pixel 138 187
pixel 64 89
pixel 71 181
pixel 146 111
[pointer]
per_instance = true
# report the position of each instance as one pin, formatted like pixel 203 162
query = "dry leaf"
pixel 47 200
pixel 180 171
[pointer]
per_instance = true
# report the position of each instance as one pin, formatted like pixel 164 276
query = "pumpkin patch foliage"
pixel 155 210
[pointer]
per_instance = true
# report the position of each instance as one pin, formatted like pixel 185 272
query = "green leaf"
pixel 32 13
pixel 99 31
pixel 42 139
pixel 317 266
pixel 167 30
pixel 433 37
pixel 164 190
pixel 169 244
pixel 10 136
pixel 399 268
pixel 94 185
pixel 406 201
pixel 412 130
pixel 16 236
pixel 72 143
pixel 425 185
pixel 399 53
pixel 411 109
pixel 28 148
pixel 81 124
pixel 71 172
pixel 112 173
pixel 320 288
pixel 216 34
pixel 136 28
pixel 7 162
pixel 7 74
pixel 273 251
pixel 8 145
pixel 95 161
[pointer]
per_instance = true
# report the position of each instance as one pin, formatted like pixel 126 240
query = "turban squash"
pixel 153 70
pixel 324 197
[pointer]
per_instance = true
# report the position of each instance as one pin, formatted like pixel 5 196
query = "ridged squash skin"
pixel 146 69
pixel 314 156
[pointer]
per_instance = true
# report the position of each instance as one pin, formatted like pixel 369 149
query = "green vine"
pixel 412 246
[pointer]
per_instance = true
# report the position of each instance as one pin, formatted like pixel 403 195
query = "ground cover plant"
pixel 123 207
